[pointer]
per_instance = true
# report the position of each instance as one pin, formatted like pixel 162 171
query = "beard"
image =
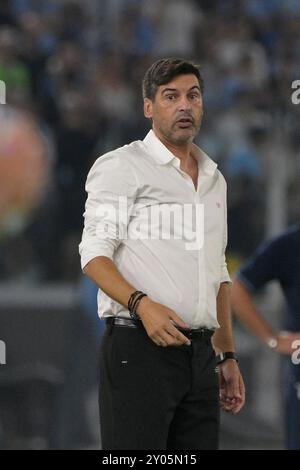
pixel 182 135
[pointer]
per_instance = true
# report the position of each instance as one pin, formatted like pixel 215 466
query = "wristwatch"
pixel 226 355
pixel 272 343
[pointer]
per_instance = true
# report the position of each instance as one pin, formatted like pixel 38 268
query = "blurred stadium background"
pixel 73 74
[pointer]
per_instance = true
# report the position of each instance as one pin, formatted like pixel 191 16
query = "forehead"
pixel 181 83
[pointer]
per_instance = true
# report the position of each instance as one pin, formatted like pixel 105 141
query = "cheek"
pixel 163 116
pixel 199 115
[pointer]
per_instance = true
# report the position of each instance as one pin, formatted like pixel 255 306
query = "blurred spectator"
pixel 79 68
pixel 13 71
pixel 278 259
pixel 76 423
pixel 76 138
pixel 6 14
pixel 179 22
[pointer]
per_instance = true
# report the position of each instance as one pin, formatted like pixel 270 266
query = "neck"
pixel 181 150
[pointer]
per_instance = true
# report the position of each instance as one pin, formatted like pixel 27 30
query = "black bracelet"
pixel 226 355
pixel 136 302
pixel 133 303
pixel 132 298
pixel 133 313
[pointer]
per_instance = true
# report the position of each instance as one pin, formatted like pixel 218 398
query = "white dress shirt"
pixel 180 272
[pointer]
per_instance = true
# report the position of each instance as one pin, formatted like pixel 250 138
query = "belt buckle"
pixel 189 334
pixel 200 333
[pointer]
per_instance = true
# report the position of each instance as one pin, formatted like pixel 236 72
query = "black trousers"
pixel 157 398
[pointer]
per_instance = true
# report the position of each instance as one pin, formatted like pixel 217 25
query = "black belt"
pixel 199 333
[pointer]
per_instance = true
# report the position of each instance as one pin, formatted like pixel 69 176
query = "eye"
pixel 194 96
pixel 171 97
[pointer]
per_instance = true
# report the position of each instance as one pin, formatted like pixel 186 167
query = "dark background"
pixel 76 69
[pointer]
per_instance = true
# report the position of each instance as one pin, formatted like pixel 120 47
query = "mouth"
pixel 184 123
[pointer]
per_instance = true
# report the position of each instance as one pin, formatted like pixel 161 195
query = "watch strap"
pixel 226 355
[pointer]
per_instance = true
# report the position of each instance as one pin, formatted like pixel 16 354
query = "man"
pixel 163 295
pixel 278 259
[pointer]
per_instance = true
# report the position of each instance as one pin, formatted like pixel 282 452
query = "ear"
pixel 148 108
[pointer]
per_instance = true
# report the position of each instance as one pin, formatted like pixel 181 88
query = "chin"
pixel 185 136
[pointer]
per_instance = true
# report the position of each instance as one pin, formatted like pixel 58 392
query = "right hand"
pixel 285 341
pixel 158 321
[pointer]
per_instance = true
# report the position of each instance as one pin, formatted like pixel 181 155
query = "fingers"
pixel 232 397
pixel 178 338
pixel 243 397
pixel 227 401
pixel 173 337
pixel 233 405
pixel 160 324
pixel 178 321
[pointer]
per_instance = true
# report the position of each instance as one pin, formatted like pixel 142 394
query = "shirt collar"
pixel 163 156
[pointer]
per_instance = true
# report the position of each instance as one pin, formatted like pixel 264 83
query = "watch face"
pixel 272 343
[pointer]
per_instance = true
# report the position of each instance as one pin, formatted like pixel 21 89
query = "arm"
pixel 157 319
pixel 246 310
pixel 223 337
pixel 232 389
pixel 105 185
pixel 104 273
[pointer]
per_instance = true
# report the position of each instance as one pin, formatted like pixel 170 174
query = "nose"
pixel 184 103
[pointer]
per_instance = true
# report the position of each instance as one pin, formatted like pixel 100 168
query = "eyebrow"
pixel 175 89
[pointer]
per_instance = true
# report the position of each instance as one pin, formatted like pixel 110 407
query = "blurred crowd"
pixel 77 68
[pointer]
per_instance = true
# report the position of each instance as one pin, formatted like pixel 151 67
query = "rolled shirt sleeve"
pixel 111 187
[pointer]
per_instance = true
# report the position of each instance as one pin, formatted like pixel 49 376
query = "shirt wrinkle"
pixel 178 273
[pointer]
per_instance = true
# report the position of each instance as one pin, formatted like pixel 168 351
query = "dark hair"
pixel 164 70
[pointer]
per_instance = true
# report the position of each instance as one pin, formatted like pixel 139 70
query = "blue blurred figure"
pixel 76 425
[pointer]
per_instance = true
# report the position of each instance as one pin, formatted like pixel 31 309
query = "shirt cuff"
pixel 93 250
pixel 225 276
